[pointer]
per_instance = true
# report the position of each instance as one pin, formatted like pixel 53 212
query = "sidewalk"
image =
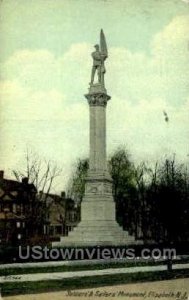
pixel 136 291
pixel 70 263
pixel 77 262
pixel 76 274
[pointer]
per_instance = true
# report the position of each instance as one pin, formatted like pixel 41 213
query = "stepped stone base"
pixel 98 225
pixel 96 233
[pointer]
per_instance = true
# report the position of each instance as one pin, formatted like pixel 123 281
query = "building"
pixel 73 215
pixel 16 200
pixel 62 215
pixel 25 214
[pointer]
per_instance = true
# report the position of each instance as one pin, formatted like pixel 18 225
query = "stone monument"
pixel 98 225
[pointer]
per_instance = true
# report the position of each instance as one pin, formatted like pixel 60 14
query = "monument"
pixel 98 225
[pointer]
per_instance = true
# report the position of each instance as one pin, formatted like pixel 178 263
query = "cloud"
pixel 76 67
pixel 151 84
pixel 42 100
pixel 163 73
pixel 170 50
pixel 173 37
pixel 142 128
pixel 34 69
pixel 41 70
pixel 20 103
pixel 131 75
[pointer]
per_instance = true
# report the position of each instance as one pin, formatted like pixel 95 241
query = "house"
pixel 24 212
pixel 73 215
pixel 62 215
pixel 15 202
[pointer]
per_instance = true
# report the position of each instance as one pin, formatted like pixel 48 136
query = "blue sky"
pixel 45 68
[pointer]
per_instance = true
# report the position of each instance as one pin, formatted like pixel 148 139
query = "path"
pixel 136 291
pixel 75 274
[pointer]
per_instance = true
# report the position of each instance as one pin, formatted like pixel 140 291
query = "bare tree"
pixel 39 171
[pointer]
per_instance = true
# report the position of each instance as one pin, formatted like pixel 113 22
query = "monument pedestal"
pixel 98 225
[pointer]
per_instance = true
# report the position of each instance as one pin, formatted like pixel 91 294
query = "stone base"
pixel 96 233
pixel 97 88
pixel 98 226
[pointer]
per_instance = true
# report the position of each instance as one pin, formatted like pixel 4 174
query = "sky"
pixel 45 66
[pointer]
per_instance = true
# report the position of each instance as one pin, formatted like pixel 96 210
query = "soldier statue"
pixel 99 56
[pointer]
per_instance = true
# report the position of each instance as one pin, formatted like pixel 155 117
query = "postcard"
pixel 94 152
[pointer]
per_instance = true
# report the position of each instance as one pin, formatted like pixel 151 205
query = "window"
pixel 18 209
pixel 11 207
pixel 6 207
pixel 51 231
pixel 72 216
pixel 14 208
pixel 14 193
pixel 18 224
pixel 58 229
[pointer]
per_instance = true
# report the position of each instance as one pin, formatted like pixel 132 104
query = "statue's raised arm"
pixel 99 56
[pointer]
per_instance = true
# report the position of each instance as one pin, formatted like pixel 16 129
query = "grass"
pixel 71 268
pixel 88 282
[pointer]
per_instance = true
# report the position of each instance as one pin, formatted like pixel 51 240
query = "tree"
pixel 76 185
pixel 167 201
pixel 124 190
pixel 173 200
pixel 41 173
pixel 141 207
pixel 151 202
pixel 122 172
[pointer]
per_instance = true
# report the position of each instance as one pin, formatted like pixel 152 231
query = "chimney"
pixel 1 174
pixel 63 194
pixel 25 180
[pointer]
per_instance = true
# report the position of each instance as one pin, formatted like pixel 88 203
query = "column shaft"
pixel 97 161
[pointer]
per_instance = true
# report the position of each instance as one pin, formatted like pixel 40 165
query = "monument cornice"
pixel 97 99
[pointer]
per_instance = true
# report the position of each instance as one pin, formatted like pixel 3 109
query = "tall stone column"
pixel 98 202
pixel 97 111
pixel 97 114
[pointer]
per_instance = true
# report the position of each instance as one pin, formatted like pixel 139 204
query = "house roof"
pixel 11 190
pixel 12 185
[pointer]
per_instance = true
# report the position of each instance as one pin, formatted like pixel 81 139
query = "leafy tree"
pixel 124 190
pixel 151 202
pixel 76 185
pixel 122 172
